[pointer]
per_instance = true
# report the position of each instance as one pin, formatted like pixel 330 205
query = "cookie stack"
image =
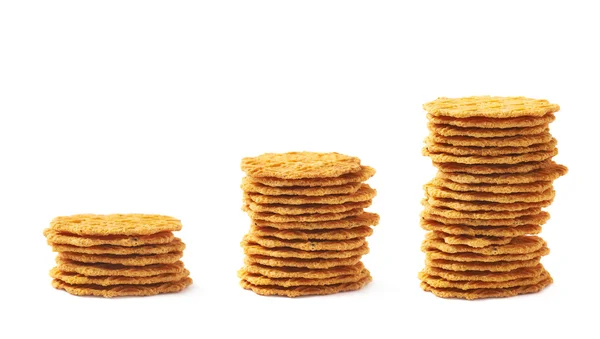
pixel 484 207
pixel 309 228
pixel 117 255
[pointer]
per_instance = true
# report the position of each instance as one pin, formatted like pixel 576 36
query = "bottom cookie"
pixel 482 293
pixel 298 291
pixel 122 290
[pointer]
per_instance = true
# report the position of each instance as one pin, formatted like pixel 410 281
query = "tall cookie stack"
pixel 308 229
pixel 117 255
pixel 495 174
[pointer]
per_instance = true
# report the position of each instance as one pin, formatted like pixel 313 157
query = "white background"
pixel 148 107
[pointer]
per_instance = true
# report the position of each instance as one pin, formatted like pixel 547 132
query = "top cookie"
pixel 300 165
pixel 115 224
pixel 491 107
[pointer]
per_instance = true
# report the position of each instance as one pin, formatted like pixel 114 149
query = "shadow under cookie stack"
pixel 484 207
pixel 117 255
pixel 308 231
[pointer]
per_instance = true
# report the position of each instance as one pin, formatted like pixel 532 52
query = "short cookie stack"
pixel 309 226
pixel 495 174
pixel 117 255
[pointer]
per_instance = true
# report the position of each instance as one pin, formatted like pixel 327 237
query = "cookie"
pixel 257 279
pixel 254 187
pixel 494 231
pixel 175 246
pixel 469 240
pixel 251 249
pixel 475 284
pixel 115 240
pixel 483 122
pixel 508 159
pixel 305 263
pixel 498 266
pixel 115 224
pixel 277 219
pixel 490 107
pixel 485 292
pixel 444 193
pixel 363 174
pixel 317 245
pixel 519 245
pixel 299 291
pixel 485 215
pixel 78 279
pixel 361 219
pixel 491 168
pixel 97 269
pixel 327 234
pixel 434 147
pixel 300 165
pixel 365 193
pixel 123 290
pixel 519 273
pixel 460 205
pixel 306 273
pixel 538 186
pixel 550 172
pixel 306 209
pixel 535 219
pixel 128 260
pixel 434 254
pixel 516 141
pixel 477 132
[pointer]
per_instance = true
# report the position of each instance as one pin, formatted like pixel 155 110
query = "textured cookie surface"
pixel 122 290
pixel 115 224
pixel 498 266
pixel 476 132
pixel 538 186
pixel 361 219
pixel 253 249
pixel 300 165
pixel 489 106
pixel 454 214
pixel 327 234
pixel 523 167
pixel 277 219
pixel 299 291
pixel 475 284
pixel 254 187
pixel 306 209
pixel 98 269
pixel 291 272
pixel 434 254
pixel 175 246
pixel 516 141
pixel 434 147
pixel 257 279
pixel 485 292
pixel 493 231
pixel 550 172
pixel 535 219
pixel 115 240
pixel 363 174
pixel 519 245
pixel 483 122
pixel 79 279
pixel 444 193
pixel 469 240
pixel 303 263
pixel 365 193
pixel 519 273
pixel 508 159
pixel 460 205
pixel 128 260
pixel 315 245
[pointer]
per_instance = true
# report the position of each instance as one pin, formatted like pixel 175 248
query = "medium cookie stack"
pixel 308 229
pixel 117 255
pixel 495 174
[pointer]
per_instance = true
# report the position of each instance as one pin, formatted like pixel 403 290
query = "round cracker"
pixel 123 290
pixel 510 159
pixel 300 165
pixel 434 147
pixel 95 270
pixel 251 249
pixel 498 266
pixel 115 224
pixel 255 187
pixel 491 168
pixel 115 240
pixel 257 279
pixel 550 172
pixel 489 106
pixel 299 291
pixel 538 186
pixel 79 279
pixel 469 240
pixel 306 209
pixel 444 193
pixel 535 219
pixel 306 273
pixel 363 174
pixel 483 122
pixel 175 246
pixel 485 215
pixel 365 193
pixel 128 260
pixel 327 234
pixel 519 273
pixel 477 132
pixel 460 205
pixel 301 263
pixel 493 231
pixel 434 254
pixel 362 219
pixel 485 292
pixel 300 218
pixel 316 245
pixel 519 245
pixel 440 282
pixel 516 141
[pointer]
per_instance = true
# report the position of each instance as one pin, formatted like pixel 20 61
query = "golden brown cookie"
pixel 454 214
pixel 509 159
pixel 434 254
pixel 255 187
pixel 362 219
pixel 498 266
pixel 469 240
pixel 95 270
pixel 460 205
pixel 486 292
pixel 434 147
pixel 79 279
pixel 128 260
pixel 483 122
pixel 251 249
pixel 516 141
pixel 115 224
pixel 363 174
pixel 550 172
pixel 299 291
pixel 489 106
pixel 490 168
pixel 519 245
pixel 493 231
pixel 115 240
pixel 519 273
pixel 475 284
pixel 365 193
pixel 477 132
pixel 535 219
pixel 175 246
pixel 315 245
pixel 257 279
pixel 306 263
pixel 306 209
pixel 300 165
pixel 327 234
pixel 123 290
pixel 306 273
pixel 444 193
pixel 279 219
pixel 538 186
